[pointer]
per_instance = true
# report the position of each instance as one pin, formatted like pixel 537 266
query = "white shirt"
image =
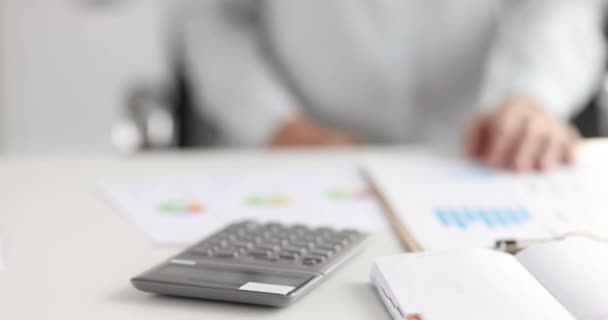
pixel 387 70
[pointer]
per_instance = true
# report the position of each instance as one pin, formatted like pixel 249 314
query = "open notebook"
pixel 559 280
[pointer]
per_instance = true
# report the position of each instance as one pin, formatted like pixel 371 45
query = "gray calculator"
pixel 268 264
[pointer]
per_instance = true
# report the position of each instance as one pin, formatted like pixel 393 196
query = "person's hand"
pixel 302 131
pixel 521 136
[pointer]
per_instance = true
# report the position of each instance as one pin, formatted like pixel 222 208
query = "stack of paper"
pixel 182 210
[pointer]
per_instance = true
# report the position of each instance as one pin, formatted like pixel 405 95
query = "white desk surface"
pixel 69 254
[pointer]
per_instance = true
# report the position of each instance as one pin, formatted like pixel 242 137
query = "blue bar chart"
pixel 491 218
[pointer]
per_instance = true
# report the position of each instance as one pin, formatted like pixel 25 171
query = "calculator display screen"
pixel 233 278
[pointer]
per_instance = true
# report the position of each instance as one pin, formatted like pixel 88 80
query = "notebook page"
pixel 575 271
pixel 465 284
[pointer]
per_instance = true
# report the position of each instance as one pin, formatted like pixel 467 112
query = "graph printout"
pixel 489 217
pixel 182 210
pixel 453 204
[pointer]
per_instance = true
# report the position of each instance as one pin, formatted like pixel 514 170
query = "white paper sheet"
pixel 575 271
pixel 474 284
pixel 448 203
pixel 182 210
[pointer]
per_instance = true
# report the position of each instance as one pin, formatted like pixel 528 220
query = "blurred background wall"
pixel 65 67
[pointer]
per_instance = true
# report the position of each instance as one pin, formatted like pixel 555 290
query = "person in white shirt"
pixel 499 76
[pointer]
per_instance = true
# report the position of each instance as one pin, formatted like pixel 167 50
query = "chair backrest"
pixel 588 120
pixel 194 127
pixel 591 119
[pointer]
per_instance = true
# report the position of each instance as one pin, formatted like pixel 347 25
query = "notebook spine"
pixel 386 295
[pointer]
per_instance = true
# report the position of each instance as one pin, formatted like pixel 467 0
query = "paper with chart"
pixel 182 210
pixel 449 203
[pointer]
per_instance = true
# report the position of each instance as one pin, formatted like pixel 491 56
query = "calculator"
pixel 258 263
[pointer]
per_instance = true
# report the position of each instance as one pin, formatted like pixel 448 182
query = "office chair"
pixel 159 116
pixel 592 121
pixel 589 120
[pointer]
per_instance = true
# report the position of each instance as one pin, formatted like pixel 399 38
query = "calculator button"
pixel 330 247
pixel 310 260
pixel 291 237
pixel 269 247
pixel 240 232
pixel 322 253
pixel 262 233
pixel 323 231
pixel 298 229
pixel 303 244
pixel 217 242
pixel 276 241
pixel 288 256
pixel 233 237
pixel 312 238
pixel 280 235
pixel 295 250
pixel 230 254
pixel 243 245
pixel 248 225
pixel 350 234
pixel 260 253
pixel 337 241
pixel 251 238
pixel 206 252
pixel 274 227
pixel 240 250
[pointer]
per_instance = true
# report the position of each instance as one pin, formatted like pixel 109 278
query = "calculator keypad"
pixel 275 243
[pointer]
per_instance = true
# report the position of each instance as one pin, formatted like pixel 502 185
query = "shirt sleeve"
pixel 550 50
pixel 230 73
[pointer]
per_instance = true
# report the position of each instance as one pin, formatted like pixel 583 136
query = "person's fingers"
pixel 342 139
pixel 557 145
pixel 552 150
pixel 334 137
pixel 503 135
pixel 569 155
pixel 528 147
pixel 521 135
pixel 302 131
pixel 474 137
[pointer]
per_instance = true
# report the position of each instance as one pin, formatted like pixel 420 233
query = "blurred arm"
pixel 231 77
pixel 551 51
